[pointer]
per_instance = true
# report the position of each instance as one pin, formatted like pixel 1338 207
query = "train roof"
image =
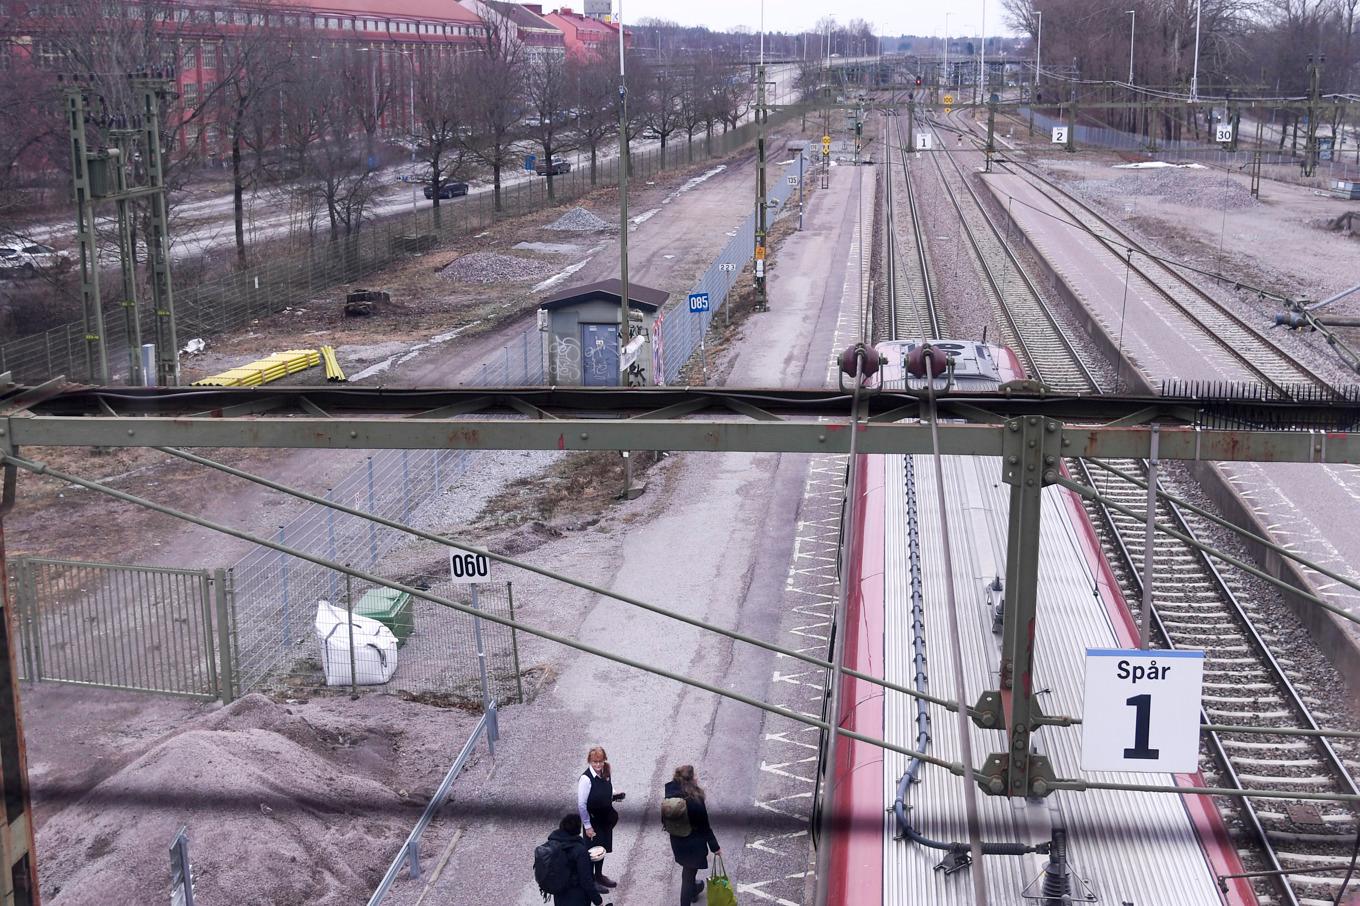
pixel 1130 847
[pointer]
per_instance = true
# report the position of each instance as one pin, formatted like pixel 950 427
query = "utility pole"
pixel 1310 147
pixel 1256 162
pixel 102 175
pixel 623 201
pixel 96 350
pixel 991 131
pixel 153 92
pixel 762 299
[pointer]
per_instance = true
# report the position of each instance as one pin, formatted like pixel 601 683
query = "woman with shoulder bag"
pixel 595 798
pixel 691 850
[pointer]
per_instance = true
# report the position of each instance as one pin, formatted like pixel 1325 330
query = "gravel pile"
pixel 489 267
pixel 579 220
pixel 1191 188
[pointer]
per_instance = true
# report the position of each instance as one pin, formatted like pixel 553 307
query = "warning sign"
pixel 948 100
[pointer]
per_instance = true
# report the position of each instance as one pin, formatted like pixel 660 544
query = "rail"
pixel 409 854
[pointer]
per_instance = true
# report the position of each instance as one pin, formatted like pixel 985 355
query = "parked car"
pixel 448 190
pixel 559 166
pixel 44 257
pixel 11 260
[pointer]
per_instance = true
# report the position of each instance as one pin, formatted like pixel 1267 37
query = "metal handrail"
pixel 409 854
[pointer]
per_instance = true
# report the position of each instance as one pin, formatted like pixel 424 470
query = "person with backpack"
pixel 562 867
pixel 685 817
pixel 595 798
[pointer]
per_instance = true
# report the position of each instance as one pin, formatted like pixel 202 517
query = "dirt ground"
pixel 323 789
pixel 328 787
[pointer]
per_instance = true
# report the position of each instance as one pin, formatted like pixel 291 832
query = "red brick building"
pixel 586 38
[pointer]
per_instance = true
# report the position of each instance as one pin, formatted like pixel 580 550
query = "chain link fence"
pixel 677 334
pixel 1282 165
pixel 235 299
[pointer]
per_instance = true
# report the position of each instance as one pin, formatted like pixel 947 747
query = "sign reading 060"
pixel 466 568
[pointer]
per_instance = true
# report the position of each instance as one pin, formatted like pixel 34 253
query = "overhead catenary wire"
pixel 538 570
pixel 42 469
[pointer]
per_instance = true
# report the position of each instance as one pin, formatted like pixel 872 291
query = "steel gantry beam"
pixel 1221 428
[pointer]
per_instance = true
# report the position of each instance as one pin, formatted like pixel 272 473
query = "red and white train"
pixel 1117 847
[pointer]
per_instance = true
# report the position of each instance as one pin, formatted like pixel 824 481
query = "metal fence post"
pixel 283 559
pixel 514 642
pixel 372 526
pixel 406 486
pixel 349 614
pixel 181 874
pixel 488 706
pixel 226 671
pixel 330 544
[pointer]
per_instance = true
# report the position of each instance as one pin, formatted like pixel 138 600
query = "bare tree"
pixel 439 117
pixel 550 122
pixel 594 94
pixel 253 67
pixel 662 114
pixel 495 106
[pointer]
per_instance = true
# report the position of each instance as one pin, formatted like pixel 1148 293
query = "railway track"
pixel 1028 324
pixel 1195 604
pixel 1230 336
pixel 911 310
pixel 1245 684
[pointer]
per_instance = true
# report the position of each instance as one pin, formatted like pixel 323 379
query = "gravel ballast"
pixel 489 267
pixel 579 220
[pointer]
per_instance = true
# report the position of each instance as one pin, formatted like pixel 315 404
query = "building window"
pixel 208 55
pixel 189 93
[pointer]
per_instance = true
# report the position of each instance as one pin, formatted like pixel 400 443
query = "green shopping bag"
pixel 720 889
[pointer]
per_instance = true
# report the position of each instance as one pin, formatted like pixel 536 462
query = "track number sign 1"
pixel 468 569
pixel 1141 711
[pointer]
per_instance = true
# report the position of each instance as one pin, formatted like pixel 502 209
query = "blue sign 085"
pixel 698 303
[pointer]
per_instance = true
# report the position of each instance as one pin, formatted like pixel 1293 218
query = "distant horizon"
pixel 799 16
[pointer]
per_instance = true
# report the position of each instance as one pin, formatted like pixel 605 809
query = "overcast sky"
pixel 893 17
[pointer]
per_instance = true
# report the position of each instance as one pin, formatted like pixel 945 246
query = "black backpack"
pixel 552 867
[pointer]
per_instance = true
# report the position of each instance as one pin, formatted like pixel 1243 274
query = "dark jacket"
pixel 582 890
pixel 692 851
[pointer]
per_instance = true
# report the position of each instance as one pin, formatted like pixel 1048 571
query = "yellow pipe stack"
pixel 333 372
pixel 266 370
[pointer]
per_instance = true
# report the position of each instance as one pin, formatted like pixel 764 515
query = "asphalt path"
pixel 713 538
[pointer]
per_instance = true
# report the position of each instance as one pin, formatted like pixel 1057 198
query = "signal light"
pixel 918 81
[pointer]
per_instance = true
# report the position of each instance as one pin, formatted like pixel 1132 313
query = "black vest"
pixel 600 802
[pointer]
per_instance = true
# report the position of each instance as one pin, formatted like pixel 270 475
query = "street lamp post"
pixel 1133 19
pixel 1194 76
pixel 1038 48
pixel 946 51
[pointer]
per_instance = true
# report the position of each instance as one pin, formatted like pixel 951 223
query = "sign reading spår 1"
pixel 1141 711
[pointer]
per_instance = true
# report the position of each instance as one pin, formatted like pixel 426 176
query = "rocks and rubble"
pixel 579 220
pixel 1198 189
pixel 490 267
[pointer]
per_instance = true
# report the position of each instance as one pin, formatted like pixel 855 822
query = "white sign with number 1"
pixel 1141 711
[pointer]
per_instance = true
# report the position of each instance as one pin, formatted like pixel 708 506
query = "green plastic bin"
pixel 390 607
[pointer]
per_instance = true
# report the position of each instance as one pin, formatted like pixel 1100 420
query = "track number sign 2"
pixel 1059 135
pixel 1141 711
pixel 468 569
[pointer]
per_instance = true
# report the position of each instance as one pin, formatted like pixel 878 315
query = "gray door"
pixel 600 355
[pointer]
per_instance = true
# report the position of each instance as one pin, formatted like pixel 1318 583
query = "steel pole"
pixel 1133 20
pixel 1194 76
